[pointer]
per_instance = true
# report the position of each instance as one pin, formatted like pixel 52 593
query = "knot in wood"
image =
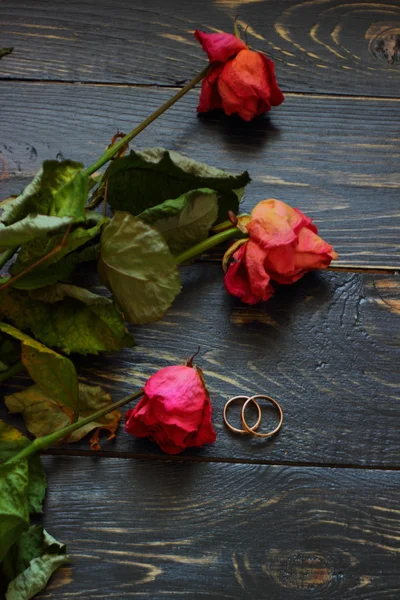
pixel 387 47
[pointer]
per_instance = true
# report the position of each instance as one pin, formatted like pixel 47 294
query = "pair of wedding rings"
pixel 247 429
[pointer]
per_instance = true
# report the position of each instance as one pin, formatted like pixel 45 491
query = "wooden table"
pixel 313 513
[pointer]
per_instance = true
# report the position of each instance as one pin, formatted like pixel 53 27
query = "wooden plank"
pixel 327 348
pixel 334 158
pixel 166 530
pixel 331 46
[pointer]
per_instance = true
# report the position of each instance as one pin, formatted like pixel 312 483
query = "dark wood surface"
pixel 310 347
pixel 335 159
pixel 335 46
pixel 313 513
pixel 164 530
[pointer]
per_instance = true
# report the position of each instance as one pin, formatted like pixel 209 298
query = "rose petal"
pixel 281 265
pixel 246 279
pixel 312 252
pixel 254 260
pixel 220 47
pixel 275 95
pixel 205 433
pixel 209 96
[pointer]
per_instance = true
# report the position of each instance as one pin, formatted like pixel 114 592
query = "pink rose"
pixel 175 411
pixel 283 245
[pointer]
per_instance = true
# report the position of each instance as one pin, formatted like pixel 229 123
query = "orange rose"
pixel 282 246
pixel 240 80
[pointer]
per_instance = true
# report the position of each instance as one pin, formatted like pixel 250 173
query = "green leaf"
pixel 5 51
pixel 37 556
pixel 43 245
pixel 59 271
pixel 185 221
pixel 11 442
pixel 28 228
pixel 16 208
pixel 43 416
pixel 10 352
pixel 59 189
pixel 136 265
pixel 27 547
pixel 14 511
pixel 54 373
pixel 65 189
pixel 22 489
pixel 76 321
pixel 142 180
pixel 37 484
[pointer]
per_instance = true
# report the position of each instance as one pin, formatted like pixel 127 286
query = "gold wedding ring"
pixel 247 428
pixel 251 429
pixel 235 429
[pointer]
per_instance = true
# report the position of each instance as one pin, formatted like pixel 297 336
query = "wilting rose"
pixel 240 80
pixel 282 246
pixel 175 411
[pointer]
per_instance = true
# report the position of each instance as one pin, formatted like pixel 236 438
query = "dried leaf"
pixel 42 415
pixel 144 179
pixel 35 557
pixel 185 221
pixel 137 266
pixel 11 442
pixel 54 373
pixel 76 321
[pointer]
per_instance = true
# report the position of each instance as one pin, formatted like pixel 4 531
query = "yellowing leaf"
pixel 76 320
pixel 54 373
pixel 11 442
pixel 43 416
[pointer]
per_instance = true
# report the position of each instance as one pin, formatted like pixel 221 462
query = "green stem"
pixel 14 370
pixel 110 152
pixel 42 443
pixel 210 242
pixel 6 256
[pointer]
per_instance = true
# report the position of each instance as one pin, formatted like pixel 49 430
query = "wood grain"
pixel 167 530
pixel 327 348
pixel 335 159
pixel 335 46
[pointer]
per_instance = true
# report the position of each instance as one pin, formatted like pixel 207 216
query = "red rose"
pixel 240 81
pixel 175 411
pixel 283 245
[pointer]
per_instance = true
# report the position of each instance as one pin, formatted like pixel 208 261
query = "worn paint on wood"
pixel 327 348
pixel 172 530
pixel 334 158
pixel 332 46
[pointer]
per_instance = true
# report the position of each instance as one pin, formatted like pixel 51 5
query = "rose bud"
pixel 175 411
pixel 282 246
pixel 240 80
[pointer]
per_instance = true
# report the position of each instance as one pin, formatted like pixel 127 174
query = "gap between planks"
pixel 178 87
pixel 213 459
pixel 341 268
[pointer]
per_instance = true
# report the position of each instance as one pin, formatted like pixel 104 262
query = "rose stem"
pixel 110 152
pixel 6 256
pixel 44 442
pixel 210 242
